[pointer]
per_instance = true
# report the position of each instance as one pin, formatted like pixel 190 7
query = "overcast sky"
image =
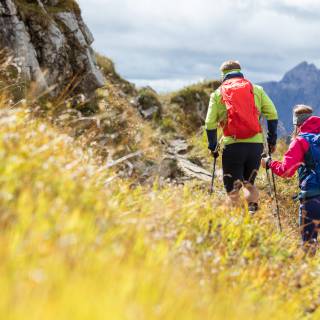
pixel 170 43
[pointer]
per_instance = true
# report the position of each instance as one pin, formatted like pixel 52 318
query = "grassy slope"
pixel 75 245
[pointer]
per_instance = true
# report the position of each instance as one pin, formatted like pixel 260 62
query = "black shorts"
pixel 240 161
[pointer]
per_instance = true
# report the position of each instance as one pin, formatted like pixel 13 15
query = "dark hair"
pixel 230 65
pixel 302 108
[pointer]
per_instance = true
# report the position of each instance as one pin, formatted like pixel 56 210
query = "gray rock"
pixel 169 168
pixel 15 36
pixel 148 104
pixel 93 77
pixel 52 49
pixel 178 168
pixel 7 8
pixel 86 32
pixel 150 112
pixel 71 26
pixel 178 146
pixel 192 170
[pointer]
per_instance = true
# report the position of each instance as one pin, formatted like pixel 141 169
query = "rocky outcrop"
pixel 50 44
pixel 177 167
pixel 148 104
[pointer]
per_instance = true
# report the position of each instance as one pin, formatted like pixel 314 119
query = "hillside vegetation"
pixel 78 243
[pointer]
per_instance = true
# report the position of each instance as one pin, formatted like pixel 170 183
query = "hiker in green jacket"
pixel 237 107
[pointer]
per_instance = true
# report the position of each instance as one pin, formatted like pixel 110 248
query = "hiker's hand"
pixel 215 154
pixel 213 150
pixel 272 148
pixel 265 162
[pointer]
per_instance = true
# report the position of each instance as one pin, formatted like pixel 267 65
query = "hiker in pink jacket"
pixel 303 155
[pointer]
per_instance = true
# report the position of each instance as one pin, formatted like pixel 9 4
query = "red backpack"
pixel 242 113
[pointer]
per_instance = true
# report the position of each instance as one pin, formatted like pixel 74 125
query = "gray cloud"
pixel 301 10
pixel 171 43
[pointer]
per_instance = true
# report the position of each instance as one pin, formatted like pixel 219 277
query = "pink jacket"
pixel 294 157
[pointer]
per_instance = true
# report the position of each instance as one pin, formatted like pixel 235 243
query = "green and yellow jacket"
pixel 217 113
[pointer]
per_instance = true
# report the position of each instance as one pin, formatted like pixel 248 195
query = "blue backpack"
pixel 309 172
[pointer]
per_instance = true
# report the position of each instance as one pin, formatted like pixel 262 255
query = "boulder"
pixel 178 146
pixel 148 104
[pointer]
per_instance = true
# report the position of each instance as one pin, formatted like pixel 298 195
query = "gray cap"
pixel 299 119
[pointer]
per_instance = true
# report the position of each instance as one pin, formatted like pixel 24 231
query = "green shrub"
pixel 107 67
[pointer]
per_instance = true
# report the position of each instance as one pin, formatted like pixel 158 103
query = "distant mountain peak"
pixel 305 64
pixel 299 85
pixel 302 72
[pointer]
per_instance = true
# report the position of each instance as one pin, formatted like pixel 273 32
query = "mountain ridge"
pixel 298 86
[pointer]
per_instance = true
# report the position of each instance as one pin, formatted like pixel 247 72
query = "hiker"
pixel 236 106
pixel 303 155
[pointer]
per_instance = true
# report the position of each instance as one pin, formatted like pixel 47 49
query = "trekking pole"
pixel 275 196
pixel 268 178
pixel 272 186
pixel 213 174
pixel 214 165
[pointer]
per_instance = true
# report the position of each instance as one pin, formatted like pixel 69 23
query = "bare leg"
pixel 234 195
pixel 251 193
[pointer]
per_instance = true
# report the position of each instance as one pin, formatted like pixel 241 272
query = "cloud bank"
pixel 168 44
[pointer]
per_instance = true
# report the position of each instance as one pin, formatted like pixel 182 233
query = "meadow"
pixel 78 244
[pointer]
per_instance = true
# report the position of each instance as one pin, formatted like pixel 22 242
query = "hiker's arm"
pixel 269 111
pixel 212 122
pixel 212 139
pixel 272 132
pixel 292 160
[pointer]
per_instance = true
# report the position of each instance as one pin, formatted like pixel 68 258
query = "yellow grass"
pixel 76 245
